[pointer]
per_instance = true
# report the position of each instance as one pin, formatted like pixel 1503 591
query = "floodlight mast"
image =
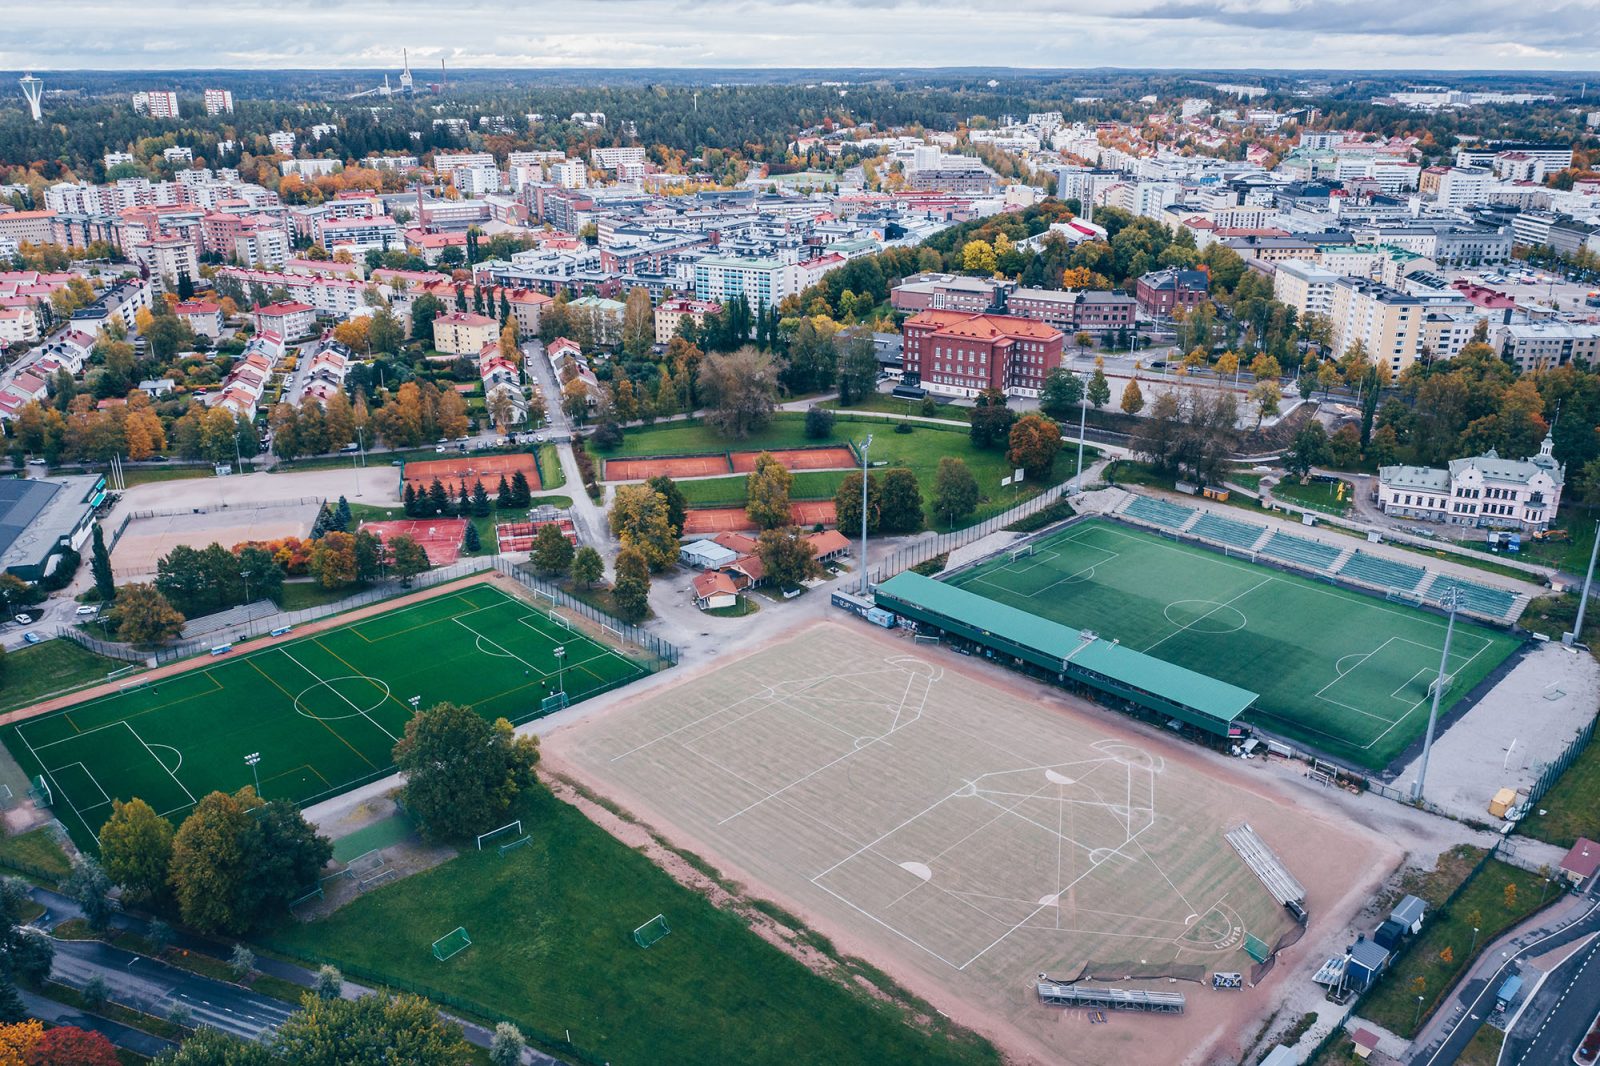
pixel 1450 601
pixel 866 446
pixel 32 91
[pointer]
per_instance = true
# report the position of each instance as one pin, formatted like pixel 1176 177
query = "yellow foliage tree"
pixel 17 1040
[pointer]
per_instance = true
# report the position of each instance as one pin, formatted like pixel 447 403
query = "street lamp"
pixel 250 761
pixel 866 446
pixel 561 667
pixel 1474 940
pixel 1418 1018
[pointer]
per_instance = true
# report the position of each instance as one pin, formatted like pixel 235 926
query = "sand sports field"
pixel 146 540
pixel 967 831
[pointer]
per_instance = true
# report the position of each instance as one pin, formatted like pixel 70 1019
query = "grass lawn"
pixel 552 949
pixel 1317 496
pixel 145 475
pixel 730 491
pixel 1484 1048
pixel 1348 672
pixel 895 405
pixel 35 850
pixel 325 710
pixel 551 475
pixel 1574 804
pixel 300 595
pixel 920 450
pixel 1570 556
pixel 745 606
pixel 38 670
pixel 1483 902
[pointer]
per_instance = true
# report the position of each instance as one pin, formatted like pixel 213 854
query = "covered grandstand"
pixel 1067 655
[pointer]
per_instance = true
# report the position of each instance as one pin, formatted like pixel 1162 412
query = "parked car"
pixel 37 462
pixel 87 609
pixel 24 619
pixel 31 637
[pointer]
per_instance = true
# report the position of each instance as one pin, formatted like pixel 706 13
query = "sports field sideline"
pixel 1340 671
pixel 323 711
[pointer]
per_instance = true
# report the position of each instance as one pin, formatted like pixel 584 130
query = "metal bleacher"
pixel 1384 573
pixel 1226 531
pixel 1479 599
pixel 1118 999
pixel 1301 552
pixel 1158 512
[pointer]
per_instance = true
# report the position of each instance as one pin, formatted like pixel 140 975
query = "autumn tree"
pixel 136 848
pixel 978 257
pixel 143 615
pixel 209 864
pixel 847 503
pixel 955 490
pixel 333 560
pixel 677 502
pixel 372 1029
pixel 1132 397
pixel 787 556
pixel 67 1045
pixel 630 586
pixel 1034 442
pixel 767 492
pixel 638 324
pixel 1266 397
pixel 858 367
pixel 740 389
pixel 991 419
pixel 639 519
pixel 462 772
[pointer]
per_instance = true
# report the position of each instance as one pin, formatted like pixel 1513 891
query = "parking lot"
pixel 1544 290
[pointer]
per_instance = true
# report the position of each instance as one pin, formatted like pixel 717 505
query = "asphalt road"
pixel 1556 1019
pixel 1474 998
pixel 135 1040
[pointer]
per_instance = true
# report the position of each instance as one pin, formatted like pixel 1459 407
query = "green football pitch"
pixel 323 712
pixel 1342 672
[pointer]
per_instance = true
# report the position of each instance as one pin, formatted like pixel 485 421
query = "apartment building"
pixel 158 104
pixel 1160 292
pixel 1086 311
pixel 464 333
pixel 671 313
pixel 289 319
pixel 204 317
pixel 613 158
pixel 219 101
pixel 955 353
pixel 1306 287
pixel 1399 328
pixel 1543 345
pixel 763 282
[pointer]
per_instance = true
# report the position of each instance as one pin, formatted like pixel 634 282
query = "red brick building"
pixel 957 353
pixel 1160 291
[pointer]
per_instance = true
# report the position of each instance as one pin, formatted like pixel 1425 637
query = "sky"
pixel 1211 34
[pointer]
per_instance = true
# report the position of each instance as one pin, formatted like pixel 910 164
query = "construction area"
pixel 967 832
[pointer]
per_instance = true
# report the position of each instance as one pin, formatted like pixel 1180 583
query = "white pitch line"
pixel 322 681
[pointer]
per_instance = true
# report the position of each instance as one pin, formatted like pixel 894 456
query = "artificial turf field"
pixel 1340 671
pixel 322 711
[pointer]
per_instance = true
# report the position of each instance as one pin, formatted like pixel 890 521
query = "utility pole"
pixel 1451 600
pixel 866 446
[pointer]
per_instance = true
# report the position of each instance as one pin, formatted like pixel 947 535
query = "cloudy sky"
pixel 1368 34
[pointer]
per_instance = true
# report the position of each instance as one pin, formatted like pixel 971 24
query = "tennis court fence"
pixel 663 651
pixel 265 624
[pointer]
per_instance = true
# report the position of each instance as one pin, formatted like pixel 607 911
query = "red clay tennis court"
pixel 734 520
pixel 488 469
pixel 829 458
pixel 671 466
pixel 518 536
pixel 440 537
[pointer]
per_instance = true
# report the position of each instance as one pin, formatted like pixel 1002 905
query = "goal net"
pixel 553 702
pixel 650 932
pixel 451 944
pixel 40 792
pixel 1447 680
pixel 510 829
pixel 560 621
pixel 1021 553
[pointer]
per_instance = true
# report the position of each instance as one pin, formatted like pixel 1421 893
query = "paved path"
pixel 1557 1014
pixel 135 1040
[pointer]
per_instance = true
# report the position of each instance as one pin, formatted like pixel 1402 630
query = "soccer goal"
pixel 924 638
pixel 548 597
pixel 614 634
pixel 40 792
pixel 651 932
pixel 1020 553
pixel 554 702
pixel 509 829
pixel 560 621
pixel 1448 679
pixel 514 845
pixel 451 944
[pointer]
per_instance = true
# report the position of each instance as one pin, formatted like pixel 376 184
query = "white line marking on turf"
pixel 1208 614
pixel 336 692
pixel 159 763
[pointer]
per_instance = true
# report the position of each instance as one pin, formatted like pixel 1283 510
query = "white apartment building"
pixel 333 296
pixel 1462 187
pixel 310 168
pixel 270 248
pixel 391 162
pixel 219 101
pixel 282 141
pixel 763 282
pixel 178 154
pixel 379 233
pixel 1543 345
pixel 570 174
pixel 167 257
pixel 158 104
pixel 1304 286
pixel 477 180
pixel 116 159
pixel 612 158
pixel 1483 490
pixel 447 163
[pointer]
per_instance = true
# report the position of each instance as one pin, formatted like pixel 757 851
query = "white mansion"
pixel 1483 490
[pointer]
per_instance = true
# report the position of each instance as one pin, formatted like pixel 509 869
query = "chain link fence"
pixel 662 650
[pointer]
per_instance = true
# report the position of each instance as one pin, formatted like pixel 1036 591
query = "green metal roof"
pixel 1065 648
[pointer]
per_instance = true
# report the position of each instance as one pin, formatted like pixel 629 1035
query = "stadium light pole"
pixel 1451 600
pixel 865 448
pixel 561 667
pixel 1576 636
pixel 250 761
pixel 1083 415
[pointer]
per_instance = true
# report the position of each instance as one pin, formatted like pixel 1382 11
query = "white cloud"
pixel 1463 34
